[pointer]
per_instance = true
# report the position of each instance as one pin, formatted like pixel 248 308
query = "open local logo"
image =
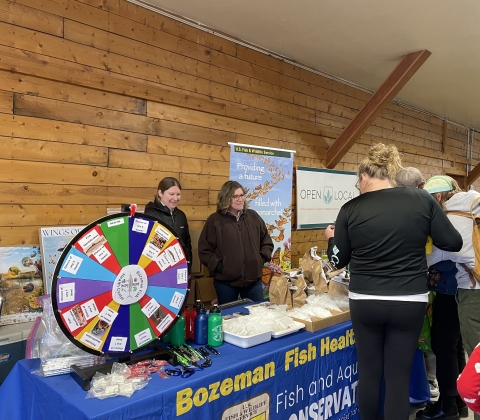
pixel 328 195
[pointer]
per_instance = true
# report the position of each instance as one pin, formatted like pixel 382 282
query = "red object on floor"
pixel 468 383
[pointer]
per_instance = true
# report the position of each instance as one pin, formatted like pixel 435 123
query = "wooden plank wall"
pixel 101 99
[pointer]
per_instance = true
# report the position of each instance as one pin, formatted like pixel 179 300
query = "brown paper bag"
pixel 299 295
pixel 278 291
pixel 312 266
pixel 338 287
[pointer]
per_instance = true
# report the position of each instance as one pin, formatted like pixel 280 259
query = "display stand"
pixel 119 286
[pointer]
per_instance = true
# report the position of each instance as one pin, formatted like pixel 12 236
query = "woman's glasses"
pixel 238 197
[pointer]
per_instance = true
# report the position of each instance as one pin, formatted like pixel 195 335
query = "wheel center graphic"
pixel 130 285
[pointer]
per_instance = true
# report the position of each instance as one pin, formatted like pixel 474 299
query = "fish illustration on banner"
pixel 266 174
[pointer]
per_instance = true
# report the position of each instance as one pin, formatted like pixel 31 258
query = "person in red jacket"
pixel 468 383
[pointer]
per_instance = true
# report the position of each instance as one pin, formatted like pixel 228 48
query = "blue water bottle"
pixel 201 326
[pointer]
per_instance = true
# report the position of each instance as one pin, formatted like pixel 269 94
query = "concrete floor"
pixel 413 411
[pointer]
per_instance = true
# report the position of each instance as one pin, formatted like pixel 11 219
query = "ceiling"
pixel 361 41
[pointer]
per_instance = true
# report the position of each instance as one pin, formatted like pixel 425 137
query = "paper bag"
pixel 312 270
pixel 299 295
pixel 278 292
pixel 338 282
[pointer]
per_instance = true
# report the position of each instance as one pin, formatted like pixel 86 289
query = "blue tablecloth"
pixel 292 377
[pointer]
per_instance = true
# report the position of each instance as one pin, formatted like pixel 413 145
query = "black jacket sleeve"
pixel 266 243
pixel 339 249
pixel 207 244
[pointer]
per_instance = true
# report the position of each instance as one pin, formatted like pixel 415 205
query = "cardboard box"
pixel 318 324
pixel 205 291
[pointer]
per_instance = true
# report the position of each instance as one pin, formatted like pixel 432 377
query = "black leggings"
pixel 386 336
pixel 447 343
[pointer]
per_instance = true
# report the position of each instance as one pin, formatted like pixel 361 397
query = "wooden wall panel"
pixel 73 10
pixel 167 25
pixel 71 93
pixel 27 17
pixel 173 27
pixel 149 35
pixel 16 60
pixel 203 119
pixel 138 160
pixel 53 173
pixel 174 147
pixel 51 215
pixel 34 106
pixel 20 235
pixel 14 215
pixel 207 79
pixel 48 151
pixel 6 102
pixel 101 99
pixel 52 130
pixel 31 193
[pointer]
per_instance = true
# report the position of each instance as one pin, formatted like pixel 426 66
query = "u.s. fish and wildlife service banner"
pixel 267 175
pixel 320 194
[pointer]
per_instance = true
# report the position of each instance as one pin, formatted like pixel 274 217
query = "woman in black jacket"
pixel 382 235
pixel 164 208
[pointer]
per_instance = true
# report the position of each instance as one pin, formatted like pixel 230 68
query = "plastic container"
pixel 297 326
pixel 195 309
pixel 248 341
pixel 201 326
pixel 215 327
pixel 13 340
pixel 188 322
pixel 168 336
pixel 178 332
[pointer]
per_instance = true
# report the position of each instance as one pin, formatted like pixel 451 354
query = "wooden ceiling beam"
pixel 397 79
pixel 473 175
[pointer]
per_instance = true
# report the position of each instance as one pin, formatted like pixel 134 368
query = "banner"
pixel 307 378
pixel 320 194
pixel 267 175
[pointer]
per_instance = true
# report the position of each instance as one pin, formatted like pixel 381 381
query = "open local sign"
pixel 320 194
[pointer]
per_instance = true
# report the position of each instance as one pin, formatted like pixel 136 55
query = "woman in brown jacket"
pixel 234 245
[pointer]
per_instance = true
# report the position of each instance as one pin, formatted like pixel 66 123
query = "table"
pixel 298 376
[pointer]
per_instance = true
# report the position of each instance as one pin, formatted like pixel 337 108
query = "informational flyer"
pixel 53 240
pixel 20 283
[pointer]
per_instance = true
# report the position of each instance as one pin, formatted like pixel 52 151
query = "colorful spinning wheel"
pixel 120 284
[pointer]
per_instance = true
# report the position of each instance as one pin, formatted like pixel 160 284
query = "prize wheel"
pixel 120 284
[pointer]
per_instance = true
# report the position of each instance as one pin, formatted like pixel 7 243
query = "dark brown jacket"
pixel 235 251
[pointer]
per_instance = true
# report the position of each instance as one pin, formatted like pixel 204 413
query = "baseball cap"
pixel 439 183
pixel 409 177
